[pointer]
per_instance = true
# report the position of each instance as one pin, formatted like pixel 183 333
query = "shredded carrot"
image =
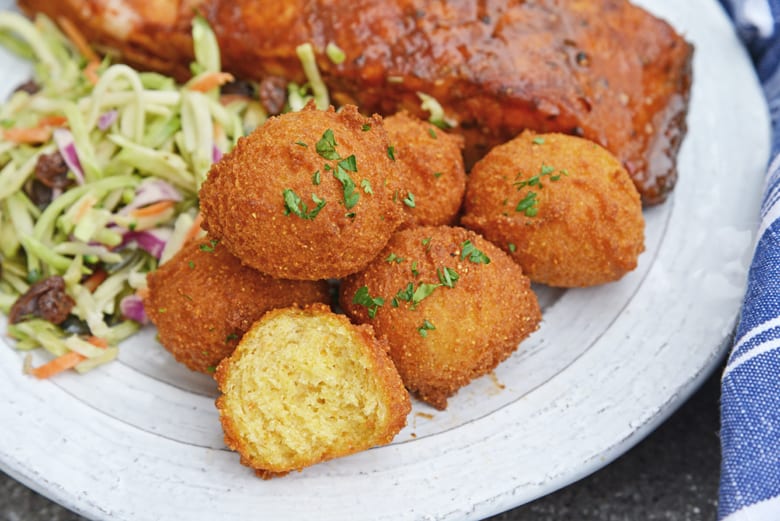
pixel 152 209
pixel 94 280
pixel 96 341
pixel 90 71
pixel 78 39
pixel 61 363
pixel 37 134
pixel 28 136
pixel 195 229
pixel 210 80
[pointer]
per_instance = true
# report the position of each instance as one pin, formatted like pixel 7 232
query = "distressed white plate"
pixel 139 439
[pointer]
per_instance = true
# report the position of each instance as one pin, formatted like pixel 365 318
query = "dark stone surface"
pixel 670 476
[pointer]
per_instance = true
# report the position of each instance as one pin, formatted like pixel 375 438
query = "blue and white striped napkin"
pixel 750 400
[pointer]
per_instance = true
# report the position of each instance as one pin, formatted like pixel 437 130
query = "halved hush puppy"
pixel 450 304
pixel 305 386
pixel 562 206
pixel 308 195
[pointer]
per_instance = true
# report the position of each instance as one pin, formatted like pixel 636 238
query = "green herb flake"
pixel 414 270
pixel 394 258
pixel 447 276
pixel 326 146
pixel 208 248
pixel 191 264
pixel 437 174
pixel 366 127
pixel 366 185
pixel 301 144
pixel 432 132
pixel 409 200
pixel 351 196
pixel 527 205
pixel 426 326
pixel 512 247
pixel 538 140
pixel 293 204
pixel 349 164
pixel 473 253
pixel 211 369
pixel 423 291
pixel 316 178
pixel 363 298
pixel 391 152
pixel 231 337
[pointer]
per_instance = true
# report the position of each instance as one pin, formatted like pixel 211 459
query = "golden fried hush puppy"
pixel 305 386
pixel 434 176
pixel 308 195
pixel 562 206
pixel 203 300
pixel 450 304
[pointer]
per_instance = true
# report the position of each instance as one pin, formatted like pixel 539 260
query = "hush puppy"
pixel 203 300
pixel 434 176
pixel 450 304
pixel 562 206
pixel 305 386
pixel 308 195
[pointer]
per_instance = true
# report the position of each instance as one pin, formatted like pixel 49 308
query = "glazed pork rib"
pixel 603 69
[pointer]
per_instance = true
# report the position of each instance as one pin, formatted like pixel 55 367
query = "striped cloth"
pixel 750 400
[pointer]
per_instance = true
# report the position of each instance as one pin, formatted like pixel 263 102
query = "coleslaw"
pixel 130 150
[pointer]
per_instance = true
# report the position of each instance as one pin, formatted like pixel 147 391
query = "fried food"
pixel 450 304
pixel 606 70
pixel 305 386
pixel 435 179
pixel 306 196
pixel 562 206
pixel 203 301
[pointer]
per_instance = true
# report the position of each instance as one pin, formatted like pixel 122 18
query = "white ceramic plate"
pixel 139 439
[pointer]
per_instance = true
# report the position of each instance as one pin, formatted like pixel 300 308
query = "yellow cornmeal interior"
pixel 301 391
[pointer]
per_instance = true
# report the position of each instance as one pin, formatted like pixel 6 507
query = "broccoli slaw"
pixel 136 147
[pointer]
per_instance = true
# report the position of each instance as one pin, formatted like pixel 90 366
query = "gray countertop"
pixel 672 475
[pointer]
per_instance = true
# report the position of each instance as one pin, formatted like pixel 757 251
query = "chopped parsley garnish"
pixel 437 174
pixel 415 272
pixel 432 132
pixel 424 290
pixel 366 185
pixel 231 337
pixel 191 264
pixel 208 248
pixel 538 140
pixel 293 204
pixel 316 178
pixel 391 152
pixel 366 127
pixel 527 205
pixel 363 298
pixel 326 146
pixel 351 196
pixel 512 247
pixel 394 258
pixel 301 144
pixel 409 200
pixel 474 254
pixel 211 368
pixel 349 163
pixel 425 327
pixel 447 276
pixel 426 241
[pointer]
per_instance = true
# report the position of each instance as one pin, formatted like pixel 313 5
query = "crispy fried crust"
pixel 433 169
pixel 585 226
pixel 603 69
pixel 245 200
pixel 203 301
pixel 441 342
pixel 306 386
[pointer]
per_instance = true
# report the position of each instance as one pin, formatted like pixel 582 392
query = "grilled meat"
pixel 602 69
